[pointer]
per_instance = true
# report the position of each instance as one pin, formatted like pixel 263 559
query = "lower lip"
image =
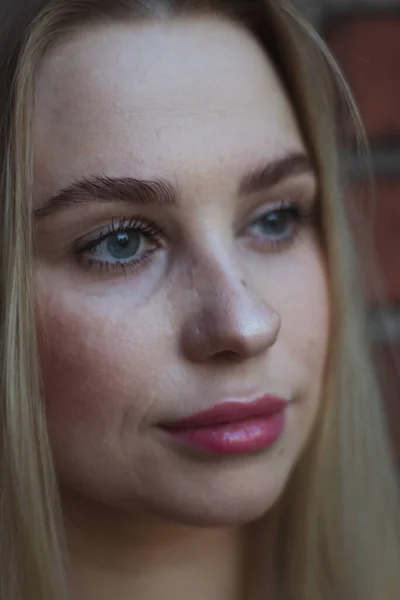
pixel 239 437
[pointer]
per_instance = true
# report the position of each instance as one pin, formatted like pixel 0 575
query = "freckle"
pixel 243 282
pixel 281 452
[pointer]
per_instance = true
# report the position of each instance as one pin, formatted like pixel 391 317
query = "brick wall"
pixel 364 36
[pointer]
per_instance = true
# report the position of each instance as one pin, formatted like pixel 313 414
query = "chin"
pixel 223 503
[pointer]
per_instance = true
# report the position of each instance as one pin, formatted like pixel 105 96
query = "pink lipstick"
pixel 233 427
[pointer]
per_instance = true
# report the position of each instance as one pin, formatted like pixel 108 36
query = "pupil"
pixel 274 223
pixel 123 240
pixel 123 245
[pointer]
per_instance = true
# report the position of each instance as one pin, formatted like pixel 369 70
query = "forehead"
pixel 158 99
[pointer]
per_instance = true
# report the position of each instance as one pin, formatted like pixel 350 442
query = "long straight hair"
pixel 336 527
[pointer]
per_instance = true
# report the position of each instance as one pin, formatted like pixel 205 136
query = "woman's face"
pixel 178 269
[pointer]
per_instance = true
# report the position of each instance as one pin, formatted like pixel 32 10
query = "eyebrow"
pixel 104 189
pixel 275 172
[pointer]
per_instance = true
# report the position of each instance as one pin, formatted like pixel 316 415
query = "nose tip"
pixel 239 328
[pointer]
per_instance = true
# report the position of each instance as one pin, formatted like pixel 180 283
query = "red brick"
pixel 368 50
pixel 386 234
pixel 388 361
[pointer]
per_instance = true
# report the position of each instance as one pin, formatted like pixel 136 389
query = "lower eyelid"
pixel 89 262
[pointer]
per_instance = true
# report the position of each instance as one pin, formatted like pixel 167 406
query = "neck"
pixel 119 556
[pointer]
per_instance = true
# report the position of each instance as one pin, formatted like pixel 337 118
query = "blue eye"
pixel 276 223
pixel 123 245
pixel 280 225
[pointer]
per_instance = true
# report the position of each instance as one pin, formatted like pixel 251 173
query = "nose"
pixel 230 320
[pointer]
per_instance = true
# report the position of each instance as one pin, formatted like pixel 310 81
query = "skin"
pixel 217 313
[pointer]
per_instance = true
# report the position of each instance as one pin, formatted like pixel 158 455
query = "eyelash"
pixel 148 229
pixel 300 217
pixel 297 214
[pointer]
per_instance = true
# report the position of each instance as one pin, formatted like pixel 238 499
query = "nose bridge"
pixel 219 284
pixel 228 315
pixel 216 280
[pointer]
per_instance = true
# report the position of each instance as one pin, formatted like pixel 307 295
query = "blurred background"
pixel 364 36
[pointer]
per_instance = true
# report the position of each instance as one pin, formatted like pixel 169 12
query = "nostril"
pixel 228 356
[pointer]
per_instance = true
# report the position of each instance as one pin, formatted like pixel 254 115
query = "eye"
pixel 275 223
pixel 123 245
pixel 280 225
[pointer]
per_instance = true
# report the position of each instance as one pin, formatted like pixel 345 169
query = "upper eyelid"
pixel 296 197
pixel 300 199
pixel 135 223
pixel 94 238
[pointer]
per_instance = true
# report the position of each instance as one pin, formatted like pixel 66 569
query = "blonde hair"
pixel 336 528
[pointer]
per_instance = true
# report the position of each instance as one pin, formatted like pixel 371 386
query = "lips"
pixel 231 412
pixel 232 428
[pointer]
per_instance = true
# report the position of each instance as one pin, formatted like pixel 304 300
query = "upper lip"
pixel 229 412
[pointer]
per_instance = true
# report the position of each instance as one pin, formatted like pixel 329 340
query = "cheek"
pixel 78 378
pixel 309 322
pixel 305 310
pixel 301 352
pixel 95 366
